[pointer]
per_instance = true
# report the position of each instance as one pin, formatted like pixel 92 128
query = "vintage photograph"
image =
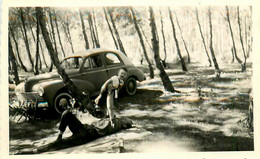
pixel 130 79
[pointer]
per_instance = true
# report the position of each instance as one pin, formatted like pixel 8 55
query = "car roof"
pixel 89 52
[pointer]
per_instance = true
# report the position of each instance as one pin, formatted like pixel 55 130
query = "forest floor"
pixel 208 115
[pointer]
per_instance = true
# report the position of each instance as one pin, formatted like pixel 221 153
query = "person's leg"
pixel 68 119
pixel 110 106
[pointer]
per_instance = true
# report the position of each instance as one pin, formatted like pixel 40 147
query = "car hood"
pixel 45 76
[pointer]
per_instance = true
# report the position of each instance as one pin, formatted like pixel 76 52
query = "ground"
pixel 210 114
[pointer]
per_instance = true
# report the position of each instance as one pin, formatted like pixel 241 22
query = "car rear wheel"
pixel 61 102
pixel 131 86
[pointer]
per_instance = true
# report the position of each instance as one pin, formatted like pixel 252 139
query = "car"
pixel 88 70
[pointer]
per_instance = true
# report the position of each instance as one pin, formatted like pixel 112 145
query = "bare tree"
pixel 110 29
pixel 12 60
pixel 58 32
pixel 80 97
pixel 17 49
pixel 116 32
pixel 143 45
pixel 53 31
pixel 84 30
pixel 164 42
pixel 202 36
pixel 241 39
pixel 155 43
pixel 184 68
pixel 93 33
pixel 95 29
pixel 66 27
pixel 185 46
pixel 25 37
pixel 37 47
pixel 211 45
pixel 232 37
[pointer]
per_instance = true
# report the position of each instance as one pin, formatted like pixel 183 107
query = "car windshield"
pixel 72 63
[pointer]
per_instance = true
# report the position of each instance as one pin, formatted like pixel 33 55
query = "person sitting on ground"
pixel 110 89
pixel 81 133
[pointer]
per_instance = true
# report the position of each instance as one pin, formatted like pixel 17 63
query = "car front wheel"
pixel 61 102
pixel 131 86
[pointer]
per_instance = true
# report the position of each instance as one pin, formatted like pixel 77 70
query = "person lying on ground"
pixel 110 90
pixel 81 133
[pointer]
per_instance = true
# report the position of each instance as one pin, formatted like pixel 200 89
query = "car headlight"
pixel 40 90
pixel 19 89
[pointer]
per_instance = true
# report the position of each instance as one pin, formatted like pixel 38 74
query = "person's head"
pixel 126 122
pixel 122 73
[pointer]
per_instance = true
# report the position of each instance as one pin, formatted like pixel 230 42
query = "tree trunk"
pixel 146 39
pixel 96 31
pixel 211 44
pixel 186 48
pixel 37 47
pixel 203 39
pixel 58 32
pixel 84 30
pixel 232 37
pixel 43 57
pixel 110 29
pixel 80 97
pixel 52 31
pixel 13 63
pixel 164 43
pixel 116 32
pixel 92 31
pixel 143 45
pixel 26 39
pixel 184 68
pixel 155 43
pixel 241 40
pixel 68 34
pixel 17 49
pixel 232 50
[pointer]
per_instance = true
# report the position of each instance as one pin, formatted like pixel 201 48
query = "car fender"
pixel 51 88
pixel 137 73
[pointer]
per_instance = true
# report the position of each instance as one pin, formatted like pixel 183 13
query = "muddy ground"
pixel 210 114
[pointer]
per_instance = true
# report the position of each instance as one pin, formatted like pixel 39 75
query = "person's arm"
pixel 103 89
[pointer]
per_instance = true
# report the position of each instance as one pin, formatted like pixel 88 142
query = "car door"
pixel 113 63
pixel 94 71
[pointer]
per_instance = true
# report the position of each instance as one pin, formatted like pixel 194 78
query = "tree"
pixel 84 30
pixel 155 43
pixel 202 36
pixel 80 97
pixel 232 37
pixel 185 46
pixel 93 31
pixel 110 29
pixel 184 68
pixel 164 42
pixel 142 43
pixel 12 60
pixel 25 37
pixel 66 28
pixel 58 32
pixel 116 32
pixel 52 31
pixel 11 32
pixel 37 47
pixel 241 40
pixel 211 44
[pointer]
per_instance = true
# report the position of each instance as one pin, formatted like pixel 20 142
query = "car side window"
pixel 93 62
pixel 111 59
pixel 72 63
